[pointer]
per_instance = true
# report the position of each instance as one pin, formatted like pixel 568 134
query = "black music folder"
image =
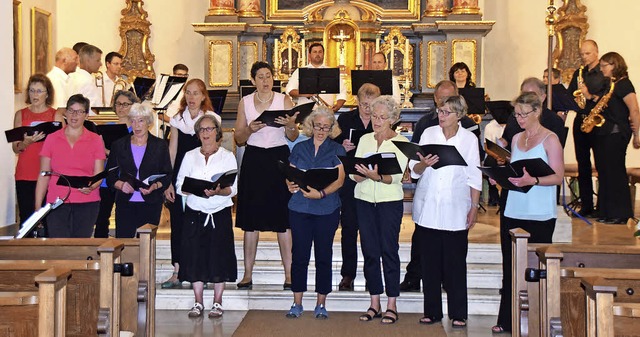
pixel 448 154
pixel 387 163
pixel 501 174
pixel 197 186
pixel 143 87
pixel 269 116
pixel 475 100
pixel 83 181
pixel 318 178
pixel 381 78
pixel 355 135
pixel 496 151
pixel 217 97
pixel 17 134
pixel 111 132
pixel 136 183
pixel 319 81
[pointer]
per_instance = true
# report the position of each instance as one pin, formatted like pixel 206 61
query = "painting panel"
pixel 437 68
pixel 40 40
pixel 17 46
pixel 220 63
pixel 246 58
pixel 464 50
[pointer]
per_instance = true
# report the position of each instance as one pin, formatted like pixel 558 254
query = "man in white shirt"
pixel 113 62
pixel 316 59
pixel 82 81
pixel 66 63
pixel 379 62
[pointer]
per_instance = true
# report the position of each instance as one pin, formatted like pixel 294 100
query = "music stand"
pixel 381 78
pixel 217 98
pixel 143 87
pixel 319 81
pixel 40 214
pixel 500 110
pixel 475 100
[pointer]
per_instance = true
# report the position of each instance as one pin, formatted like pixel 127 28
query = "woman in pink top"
pixel 262 192
pixel 72 151
pixel 40 94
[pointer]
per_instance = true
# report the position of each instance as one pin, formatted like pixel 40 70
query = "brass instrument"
pixel 595 117
pixel 119 84
pixel 100 84
pixel 577 94
pixel 316 98
pixel 476 118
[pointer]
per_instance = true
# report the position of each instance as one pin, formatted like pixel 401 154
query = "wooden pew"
pixel 138 292
pixel 94 298
pixel 605 317
pixel 530 317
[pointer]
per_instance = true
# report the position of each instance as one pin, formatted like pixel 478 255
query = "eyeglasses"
pixel 443 112
pixel 322 128
pixel 364 106
pixel 207 129
pixel 380 118
pixel 37 91
pixel 75 112
pixel 523 114
pixel 123 105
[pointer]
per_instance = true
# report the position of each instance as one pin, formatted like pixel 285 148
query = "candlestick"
pixel 275 55
pixel 377 44
pixel 303 51
pixel 358 55
pixel 289 55
pixel 391 58
pixel 406 54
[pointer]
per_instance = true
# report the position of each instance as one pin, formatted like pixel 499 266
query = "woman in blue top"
pixel 534 211
pixel 314 215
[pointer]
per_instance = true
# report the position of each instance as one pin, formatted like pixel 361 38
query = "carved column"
pixel 437 8
pixel 221 11
pixel 249 9
pixel 465 7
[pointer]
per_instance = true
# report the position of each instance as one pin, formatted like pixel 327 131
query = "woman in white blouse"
pixel 207 246
pixel 445 206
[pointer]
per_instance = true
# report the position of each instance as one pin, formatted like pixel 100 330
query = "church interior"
pixel 503 42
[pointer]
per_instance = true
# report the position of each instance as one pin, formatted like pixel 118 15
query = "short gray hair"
pixel 126 93
pixel 144 110
pixel 457 104
pixel 535 82
pixel 389 104
pixel 307 126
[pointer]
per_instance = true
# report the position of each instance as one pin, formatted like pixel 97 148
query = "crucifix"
pixel 341 38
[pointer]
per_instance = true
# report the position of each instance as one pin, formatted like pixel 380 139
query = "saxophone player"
pixel 619 108
pixel 593 85
pixel 113 80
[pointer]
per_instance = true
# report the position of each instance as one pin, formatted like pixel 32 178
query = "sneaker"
pixel 295 311
pixel 196 310
pixel 320 312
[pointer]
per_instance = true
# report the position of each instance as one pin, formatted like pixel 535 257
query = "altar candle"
pixel 303 51
pixel 275 55
pixel 406 54
pixel 391 58
pixel 377 44
pixel 290 56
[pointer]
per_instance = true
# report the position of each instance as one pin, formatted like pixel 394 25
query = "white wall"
pixel 7 200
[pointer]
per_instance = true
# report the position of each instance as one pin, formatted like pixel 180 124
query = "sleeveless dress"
pixel 28 167
pixel 262 191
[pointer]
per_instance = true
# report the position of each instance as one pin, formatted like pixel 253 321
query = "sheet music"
pixel 170 96
pixel 159 89
pixel 33 220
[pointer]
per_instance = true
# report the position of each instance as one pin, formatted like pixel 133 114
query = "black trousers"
pixel 132 215
pixel 379 233
pixel 583 143
pixel 73 220
pixel 444 264
pixel 610 152
pixel 541 232
pixel 176 216
pixel 349 232
pixel 26 195
pixel 107 199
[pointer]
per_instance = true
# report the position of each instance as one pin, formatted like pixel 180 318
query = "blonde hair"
pixel 390 105
pixel 307 126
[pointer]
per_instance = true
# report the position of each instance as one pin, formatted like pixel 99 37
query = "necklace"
pixel 526 138
pixel 266 100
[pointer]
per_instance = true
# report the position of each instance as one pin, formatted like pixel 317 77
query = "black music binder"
pixel 136 183
pixel 319 81
pixel 381 78
pixel 475 100
pixel 197 186
pixel 495 150
pixel 387 163
pixel 447 154
pixel 500 110
pixel 47 128
pixel 501 174
pixel 355 135
pixel 84 181
pixel 269 116
pixel 318 178
pixel 111 132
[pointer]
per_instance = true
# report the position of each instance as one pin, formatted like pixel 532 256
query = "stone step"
pixel 267 297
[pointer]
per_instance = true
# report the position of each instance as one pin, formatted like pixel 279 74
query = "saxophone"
pixel 595 117
pixel 577 94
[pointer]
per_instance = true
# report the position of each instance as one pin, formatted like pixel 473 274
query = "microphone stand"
pixel 36 218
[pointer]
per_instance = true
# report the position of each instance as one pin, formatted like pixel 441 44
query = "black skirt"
pixel 263 196
pixel 208 254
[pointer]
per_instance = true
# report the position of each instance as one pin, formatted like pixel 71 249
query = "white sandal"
pixel 216 311
pixel 196 310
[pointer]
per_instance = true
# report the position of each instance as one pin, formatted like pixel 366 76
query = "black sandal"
pixel 427 320
pixel 366 317
pixel 458 323
pixel 390 319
